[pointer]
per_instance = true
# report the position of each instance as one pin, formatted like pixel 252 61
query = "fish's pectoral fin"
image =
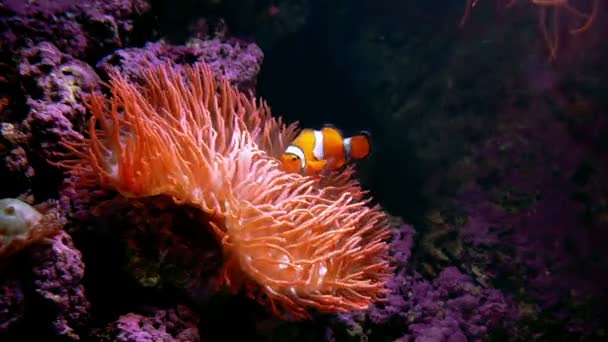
pixel 328 168
pixel 316 166
pixel 341 168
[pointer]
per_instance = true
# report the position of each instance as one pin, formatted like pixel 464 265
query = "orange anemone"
pixel 549 18
pixel 296 243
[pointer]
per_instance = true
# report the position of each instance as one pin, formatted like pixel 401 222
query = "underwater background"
pixel 489 138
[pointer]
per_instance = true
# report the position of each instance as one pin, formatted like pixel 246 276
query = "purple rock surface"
pixel 170 325
pixel 526 222
pixel 451 307
pixel 236 60
pixel 54 82
pixel 58 274
pixel 162 244
pixel 12 303
pixel 79 28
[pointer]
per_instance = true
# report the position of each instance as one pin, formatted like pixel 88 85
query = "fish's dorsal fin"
pixel 333 127
pixel 316 166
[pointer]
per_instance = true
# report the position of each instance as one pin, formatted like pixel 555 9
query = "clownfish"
pixel 314 151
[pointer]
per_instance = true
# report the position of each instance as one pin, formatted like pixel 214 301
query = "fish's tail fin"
pixel 360 145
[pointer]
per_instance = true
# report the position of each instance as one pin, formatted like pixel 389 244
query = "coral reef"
pixel 171 325
pixel 46 283
pixel 58 272
pixel 83 29
pixel 529 211
pixel 533 221
pixel 52 83
pixel 160 245
pixel 442 242
pixel 176 204
pixel 12 303
pixel 450 306
pixel 15 168
pixel 237 61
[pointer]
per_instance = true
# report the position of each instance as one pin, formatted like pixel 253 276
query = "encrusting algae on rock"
pixel 296 243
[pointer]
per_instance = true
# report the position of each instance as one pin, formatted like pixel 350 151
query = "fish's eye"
pixel 294 158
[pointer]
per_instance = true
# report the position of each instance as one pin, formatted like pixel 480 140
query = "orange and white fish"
pixel 314 151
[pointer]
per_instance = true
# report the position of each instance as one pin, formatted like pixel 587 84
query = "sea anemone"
pixel 296 243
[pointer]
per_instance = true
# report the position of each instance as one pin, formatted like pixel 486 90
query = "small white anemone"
pixel 16 218
pixel 21 225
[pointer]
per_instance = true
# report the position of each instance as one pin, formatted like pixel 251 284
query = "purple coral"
pixel 454 306
pixel 43 283
pixel 54 83
pixel 58 274
pixel 236 60
pixel 45 44
pixel 525 224
pixel 451 307
pixel 12 303
pixel 171 325
pixel 53 76
pixel 79 28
